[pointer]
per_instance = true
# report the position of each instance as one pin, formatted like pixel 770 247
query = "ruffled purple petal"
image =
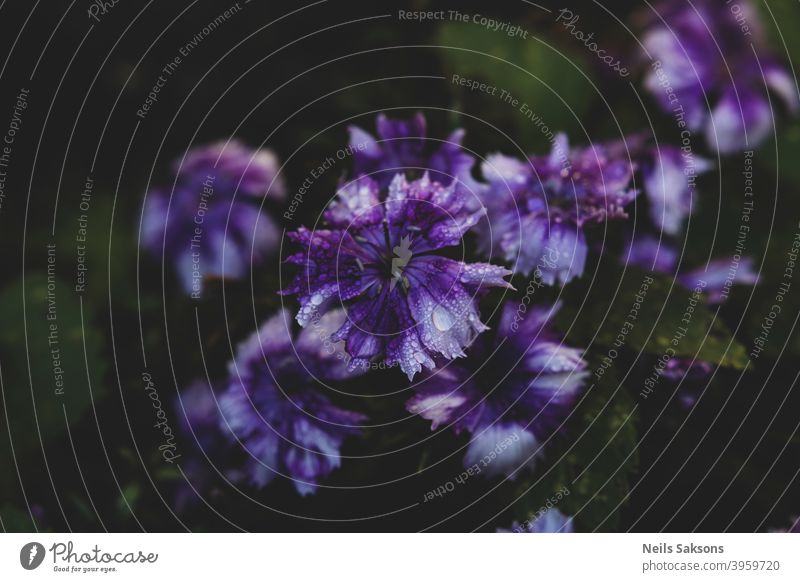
pixel 357 201
pixel 668 182
pixel 739 121
pixel 445 398
pixel 502 450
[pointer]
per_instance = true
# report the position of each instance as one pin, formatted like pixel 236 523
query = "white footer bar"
pixel 389 557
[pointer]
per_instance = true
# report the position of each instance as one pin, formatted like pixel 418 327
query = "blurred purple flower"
pixel 551 521
pixel 400 147
pixel 719 71
pixel 198 421
pixel 405 302
pixel 650 254
pixel 686 368
pixel 537 208
pixel 198 414
pixel 719 275
pixel 669 177
pixel 273 407
pixel 209 223
pixel 692 373
pixel 509 394
pixel 273 416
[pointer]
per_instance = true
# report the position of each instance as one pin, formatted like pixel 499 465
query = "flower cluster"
pixel 705 62
pixel 537 208
pixel 510 395
pixel 388 275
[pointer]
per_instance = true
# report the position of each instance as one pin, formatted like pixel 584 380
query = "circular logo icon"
pixel 31 555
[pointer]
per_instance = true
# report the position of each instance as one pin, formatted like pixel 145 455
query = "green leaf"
pixel 128 498
pixel 788 151
pixel 604 457
pixel 15 520
pixel 546 83
pixel 777 17
pixel 668 316
pixel 590 468
pixel 45 377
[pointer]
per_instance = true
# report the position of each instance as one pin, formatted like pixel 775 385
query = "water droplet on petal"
pixel 442 318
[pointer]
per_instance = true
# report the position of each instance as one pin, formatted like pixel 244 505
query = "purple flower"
pixel 198 415
pixel 510 394
pixel 209 222
pixel 669 177
pixel 551 521
pixel 401 148
pixel 709 59
pixel 274 409
pixel 198 421
pixel 406 303
pixel 537 208
pixel 692 373
pixel 686 368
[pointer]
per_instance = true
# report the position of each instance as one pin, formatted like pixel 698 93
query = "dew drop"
pixel 442 319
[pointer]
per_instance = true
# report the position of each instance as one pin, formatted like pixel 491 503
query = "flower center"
pixel 401 255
